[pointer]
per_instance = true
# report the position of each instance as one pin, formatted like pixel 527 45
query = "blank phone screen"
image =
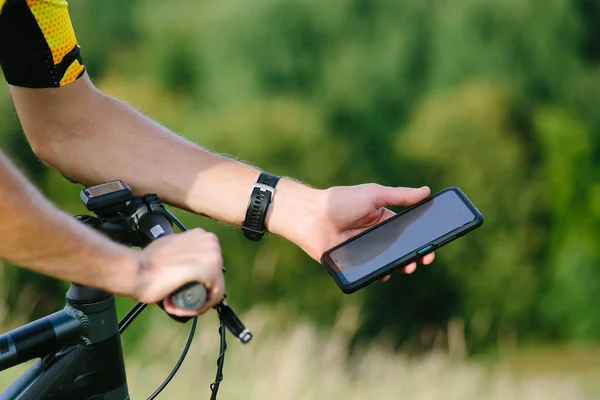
pixel 401 236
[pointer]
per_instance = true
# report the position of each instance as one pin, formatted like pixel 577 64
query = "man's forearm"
pixel 95 138
pixel 38 236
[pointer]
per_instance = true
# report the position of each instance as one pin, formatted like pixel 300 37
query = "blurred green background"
pixel 498 97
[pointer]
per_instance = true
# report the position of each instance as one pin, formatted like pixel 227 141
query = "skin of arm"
pixel 37 235
pixel 69 250
pixel 94 138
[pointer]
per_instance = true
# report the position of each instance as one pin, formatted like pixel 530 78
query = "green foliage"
pixel 498 97
pixel 465 138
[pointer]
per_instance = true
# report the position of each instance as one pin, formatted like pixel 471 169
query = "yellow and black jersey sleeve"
pixel 38 47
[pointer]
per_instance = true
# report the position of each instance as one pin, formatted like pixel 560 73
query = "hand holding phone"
pixel 401 239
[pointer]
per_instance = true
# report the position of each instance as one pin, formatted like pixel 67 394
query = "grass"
pixel 302 364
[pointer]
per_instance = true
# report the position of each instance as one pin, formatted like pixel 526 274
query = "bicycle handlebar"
pixel 190 297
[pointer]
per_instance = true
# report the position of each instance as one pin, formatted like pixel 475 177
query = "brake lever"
pixel 232 322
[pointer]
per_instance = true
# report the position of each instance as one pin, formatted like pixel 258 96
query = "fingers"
pixel 212 279
pixel 410 268
pixel 425 260
pixel 428 258
pixel 215 293
pixel 208 271
pixel 170 308
pixel 407 269
pixel 400 196
pixel 212 275
pixel 177 260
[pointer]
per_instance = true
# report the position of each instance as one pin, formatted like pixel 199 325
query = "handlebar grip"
pixel 189 297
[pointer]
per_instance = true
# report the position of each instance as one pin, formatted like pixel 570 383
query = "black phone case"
pixel 436 244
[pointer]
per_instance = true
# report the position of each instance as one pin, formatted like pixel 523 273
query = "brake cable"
pixel 222 309
pixel 186 348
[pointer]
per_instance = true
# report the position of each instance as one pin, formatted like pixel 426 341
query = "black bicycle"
pixel 79 347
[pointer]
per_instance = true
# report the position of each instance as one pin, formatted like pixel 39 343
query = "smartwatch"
pixel 262 195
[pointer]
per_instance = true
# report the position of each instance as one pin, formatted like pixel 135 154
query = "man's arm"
pixel 94 138
pixel 37 235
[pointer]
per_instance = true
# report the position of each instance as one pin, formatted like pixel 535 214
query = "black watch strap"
pixel 262 195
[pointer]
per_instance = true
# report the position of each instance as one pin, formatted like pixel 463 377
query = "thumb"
pixel 401 196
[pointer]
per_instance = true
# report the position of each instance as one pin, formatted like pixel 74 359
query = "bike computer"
pixel 105 195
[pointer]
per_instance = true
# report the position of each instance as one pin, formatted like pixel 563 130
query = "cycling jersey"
pixel 38 47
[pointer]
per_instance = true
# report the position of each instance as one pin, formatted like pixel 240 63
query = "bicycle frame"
pixel 77 371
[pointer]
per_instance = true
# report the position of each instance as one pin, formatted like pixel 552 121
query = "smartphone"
pixel 404 238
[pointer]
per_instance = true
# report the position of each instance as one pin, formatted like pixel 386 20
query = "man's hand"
pixel 343 212
pixel 173 261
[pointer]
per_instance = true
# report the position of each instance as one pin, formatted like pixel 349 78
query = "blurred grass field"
pixel 302 363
